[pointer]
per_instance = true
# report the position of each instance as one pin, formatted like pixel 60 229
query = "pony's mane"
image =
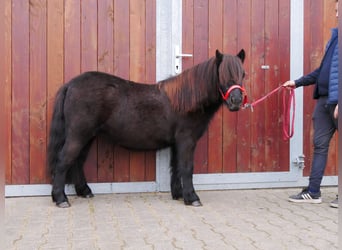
pixel 195 87
pixel 192 87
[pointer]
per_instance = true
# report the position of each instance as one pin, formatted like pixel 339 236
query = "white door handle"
pixel 178 59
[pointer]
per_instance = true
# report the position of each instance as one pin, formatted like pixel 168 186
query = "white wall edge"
pixel 201 182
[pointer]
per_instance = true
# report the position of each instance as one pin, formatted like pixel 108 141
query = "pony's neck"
pixel 195 89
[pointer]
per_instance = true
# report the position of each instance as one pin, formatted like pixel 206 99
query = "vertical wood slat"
pixel 137 70
pixel 215 133
pixel 313 51
pixel 72 42
pixel 201 27
pixel 37 93
pixel 89 63
pixel 150 75
pixel 55 56
pixel 273 137
pixel 105 161
pixel 20 93
pixel 284 69
pixel 5 95
pixel 187 33
pixel 244 121
pixel 258 88
pixel 121 68
pixel 229 129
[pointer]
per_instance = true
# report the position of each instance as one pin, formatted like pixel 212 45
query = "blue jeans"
pixel 324 125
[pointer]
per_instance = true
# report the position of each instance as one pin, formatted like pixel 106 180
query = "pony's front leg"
pixel 176 184
pixel 185 164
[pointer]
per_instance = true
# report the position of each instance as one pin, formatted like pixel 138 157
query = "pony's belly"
pixel 146 144
pixel 140 140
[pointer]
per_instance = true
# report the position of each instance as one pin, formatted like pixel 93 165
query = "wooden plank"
pixel 5 95
pixel 89 63
pixel 150 76
pixel 55 55
pixel 72 41
pixel 20 93
pixel 258 89
pixel 329 19
pixel 37 91
pixel 187 32
pixel 105 150
pixel 137 66
pixel 121 68
pixel 201 37
pixel 229 119
pixel 284 72
pixel 313 52
pixel 273 107
pixel 244 122
pixel 215 131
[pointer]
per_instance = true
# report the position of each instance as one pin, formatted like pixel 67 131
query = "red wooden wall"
pixel 46 43
pixel 319 18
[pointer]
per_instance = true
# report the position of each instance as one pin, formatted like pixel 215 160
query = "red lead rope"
pixel 288 123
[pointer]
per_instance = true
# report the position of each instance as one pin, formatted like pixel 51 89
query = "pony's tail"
pixel 57 131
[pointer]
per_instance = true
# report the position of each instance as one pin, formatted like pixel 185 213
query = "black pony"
pixel 173 113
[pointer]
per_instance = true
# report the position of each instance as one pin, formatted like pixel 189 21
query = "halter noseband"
pixel 225 96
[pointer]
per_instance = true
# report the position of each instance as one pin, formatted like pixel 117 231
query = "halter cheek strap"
pixel 225 96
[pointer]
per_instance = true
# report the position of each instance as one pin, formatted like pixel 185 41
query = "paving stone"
pixel 231 219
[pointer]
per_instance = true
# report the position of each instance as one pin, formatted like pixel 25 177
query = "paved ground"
pixel 233 219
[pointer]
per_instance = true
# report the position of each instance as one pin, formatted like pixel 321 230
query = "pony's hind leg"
pixel 81 186
pixel 176 185
pixel 67 158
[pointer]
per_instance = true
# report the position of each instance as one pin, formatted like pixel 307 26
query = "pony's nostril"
pixel 236 100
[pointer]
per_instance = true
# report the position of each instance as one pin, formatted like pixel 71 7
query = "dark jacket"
pixel 312 77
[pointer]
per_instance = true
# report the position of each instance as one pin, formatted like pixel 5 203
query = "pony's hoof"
pixel 64 204
pixel 197 203
pixel 88 195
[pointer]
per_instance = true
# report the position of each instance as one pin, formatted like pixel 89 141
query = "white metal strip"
pixel 201 182
pixel 296 70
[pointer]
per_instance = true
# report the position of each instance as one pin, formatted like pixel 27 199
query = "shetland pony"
pixel 173 113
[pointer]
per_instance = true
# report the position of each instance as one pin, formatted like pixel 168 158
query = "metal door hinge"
pixel 299 161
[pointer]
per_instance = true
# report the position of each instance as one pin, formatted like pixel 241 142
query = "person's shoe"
pixel 306 197
pixel 334 203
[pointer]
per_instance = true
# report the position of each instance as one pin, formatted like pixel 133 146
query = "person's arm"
pixel 308 79
pixel 336 112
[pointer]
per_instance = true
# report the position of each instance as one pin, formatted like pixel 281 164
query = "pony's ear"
pixel 219 57
pixel 241 55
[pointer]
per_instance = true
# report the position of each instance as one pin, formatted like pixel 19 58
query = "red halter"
pixel 225 96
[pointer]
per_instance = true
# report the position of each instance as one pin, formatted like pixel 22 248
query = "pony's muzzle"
pixel 234 102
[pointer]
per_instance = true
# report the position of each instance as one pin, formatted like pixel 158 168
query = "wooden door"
pixel 245 141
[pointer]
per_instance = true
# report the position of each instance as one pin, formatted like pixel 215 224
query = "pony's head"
pixel 230 76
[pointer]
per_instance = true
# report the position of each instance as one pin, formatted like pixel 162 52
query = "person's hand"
pixel 289 84
pixel 336 112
